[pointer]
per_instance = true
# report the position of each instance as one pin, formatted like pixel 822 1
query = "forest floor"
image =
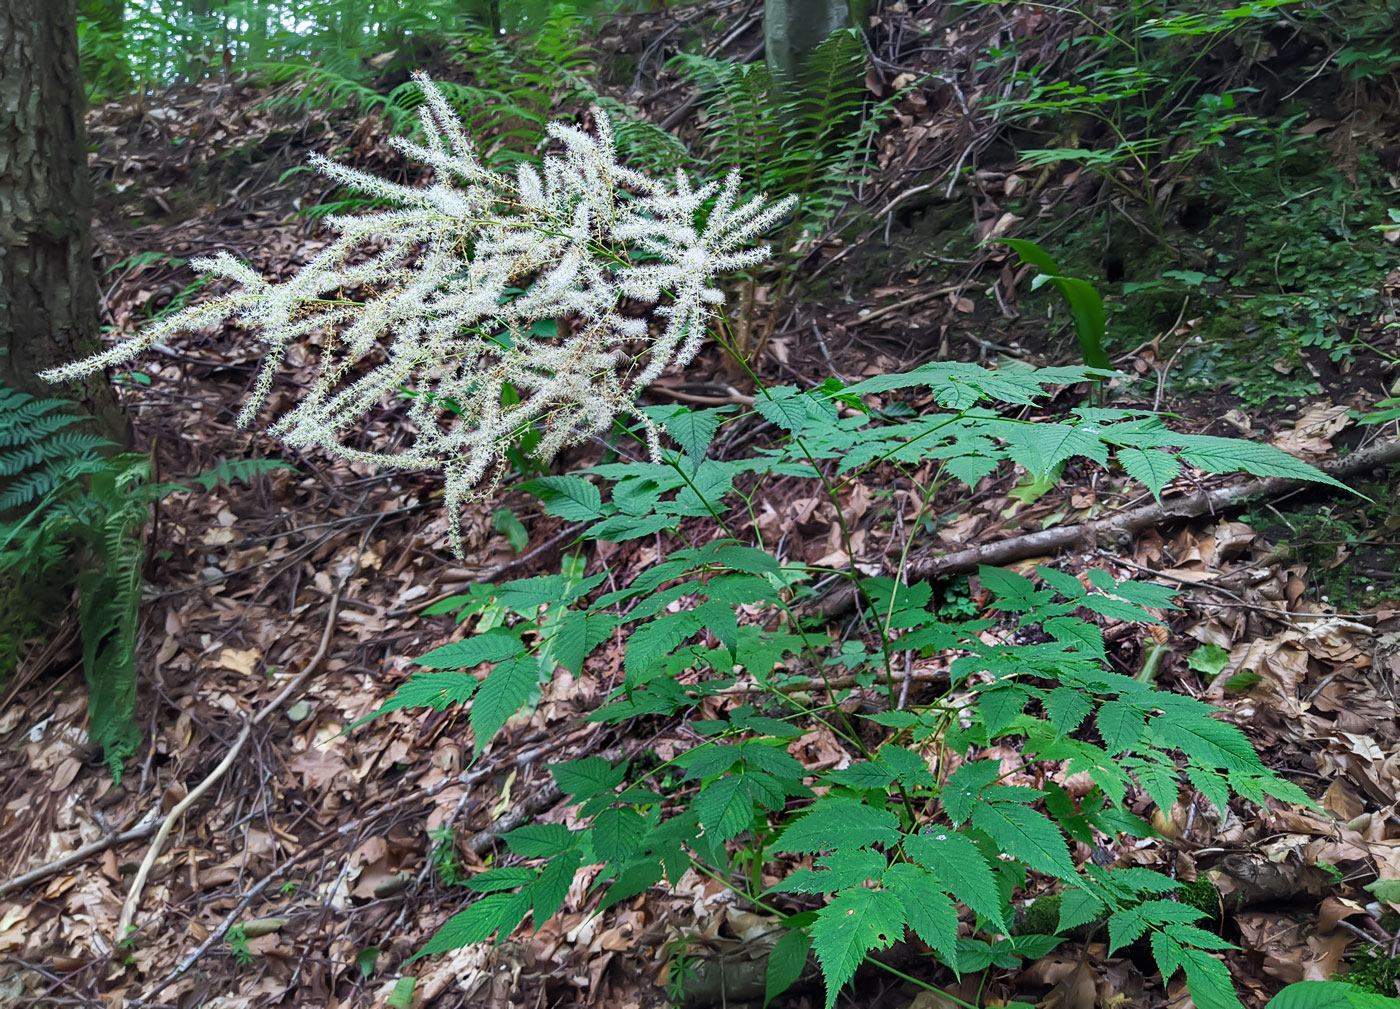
pixel 340 846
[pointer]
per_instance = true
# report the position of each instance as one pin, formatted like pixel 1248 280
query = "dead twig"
pixel 133 898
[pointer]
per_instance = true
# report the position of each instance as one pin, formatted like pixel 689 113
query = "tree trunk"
pixel 48 290
pixel 793 28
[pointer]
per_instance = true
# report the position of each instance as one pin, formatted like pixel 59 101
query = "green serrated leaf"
pixel 848 928
pixel 838 822
pixel 928 910
pixel 493 646
pixel 504 691
pixel 427 690
pixel 783 407
pixel 1067 708
pixel 786 962
pixel 571 498
pixel 1152 467
pixel 616 833
pixel 955 860
pixel 539 840
pixel 493 912
pixel 1028 835
pixel 587 777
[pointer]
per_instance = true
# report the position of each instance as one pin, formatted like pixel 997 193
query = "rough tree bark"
pixel 793 28
pixel 48 289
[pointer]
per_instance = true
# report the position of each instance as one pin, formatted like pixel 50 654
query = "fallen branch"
pixel 133 897
pixel 1119 526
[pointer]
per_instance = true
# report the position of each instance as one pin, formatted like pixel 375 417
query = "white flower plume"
pixel 550 299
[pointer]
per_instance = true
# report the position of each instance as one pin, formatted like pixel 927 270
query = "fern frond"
pixel 38 427
pixel 230 470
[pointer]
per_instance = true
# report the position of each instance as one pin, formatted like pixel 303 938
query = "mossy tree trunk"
pixel 48 288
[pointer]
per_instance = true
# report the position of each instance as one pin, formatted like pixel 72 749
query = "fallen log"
pixel 1114 529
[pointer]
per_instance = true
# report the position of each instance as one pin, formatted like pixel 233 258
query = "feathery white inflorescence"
pixel 457 279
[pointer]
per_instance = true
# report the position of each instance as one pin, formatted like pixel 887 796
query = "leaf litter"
pixel 336 842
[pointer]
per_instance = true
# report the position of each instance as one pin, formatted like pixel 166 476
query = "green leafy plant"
pixel 237 939
pixel 801 137
pixel 72 515
pixel 940 833
pixel 1090 322
pixel 1330 995
pixel 947 804
pixel 1127 98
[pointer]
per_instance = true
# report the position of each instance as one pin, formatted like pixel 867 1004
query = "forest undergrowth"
pixel 702 696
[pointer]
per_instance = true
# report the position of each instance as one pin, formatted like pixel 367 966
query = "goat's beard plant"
pixel 456 280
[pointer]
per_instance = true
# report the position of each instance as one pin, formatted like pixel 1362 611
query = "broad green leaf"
pixel 1028 835
pixel 838 822
pixel 616 833
pixel 840 869
pixel 784 407
pixel 912 768
pixel 1208 981
pixel 1121 725
pixel 1151 467
pixel 493 646
pixel 428 690
pixel 1065 584
pixel 786 962
pixel 1117 609
pixel 963 786
pixel 571 498
pixel 539 840
pixel 508 877
pixel 495 911
pixel 577 635
pixel 548 892
pixel 508 523
pixel 1229 455
pixel 1001 706
pixel 1067 708
pixel 1329 995
pixel 848 928
pixel 863 774
pixel 928 910
pixel 693 430
pixel 1078 907
pixel 955 860
pixel 504 691
pixel 587 777
pixel 1208 740
pixel 1043 446
pixel 1210 659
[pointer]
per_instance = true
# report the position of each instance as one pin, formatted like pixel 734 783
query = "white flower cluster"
pixel 550 299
